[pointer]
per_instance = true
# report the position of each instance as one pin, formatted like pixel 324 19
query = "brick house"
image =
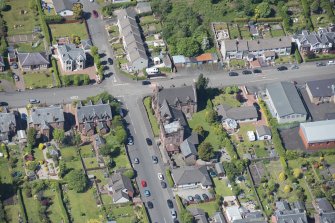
pixel 91 119
pixel 316 135
pixel 45 120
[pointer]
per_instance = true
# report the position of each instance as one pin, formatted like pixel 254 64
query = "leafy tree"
pixel 94 50
pixel 63 170
pixel 86 80
pixel 31 137
pixel 77 180
pixel 77 10
pixel 199 130
pixel 32 165
pixel 121 134
pixel 66 80
pixel 105 150
pixel 76 80
pixel 297 56
pixel 248 8
pixel 3 5
pixel 297 173
pixel 76 140
pixel 58 135
pixel 205 151
pixel 210 116
pixel 129 173
pixel 315 6
pixel 263 10
pixel 187 47
pixel 2 213
pixel 209 105
pixel 282 177
pixel 201 83
pixel 287 189
pixel 186 216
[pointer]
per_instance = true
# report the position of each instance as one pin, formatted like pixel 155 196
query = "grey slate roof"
pixel 61 5
pixel 181 94
pixel 89 112
pixel 198 214
pixel 322 88
pixel 191 174
pixel 120 182
pixel 263 130
pixel 31 59
pixel 286 99
pixel 318 131
pixel 238 113
pixel 71 52
pixel 286 213
pixel 219 218
pixel 6 120
pixel 187 148
pixel 44 116
pixel 324 205
pixel 86 44
pixel 219 168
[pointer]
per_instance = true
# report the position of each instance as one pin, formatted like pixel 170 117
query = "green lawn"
pixel 6 76
pixel 147 20
pixel 27 47
pixel 235 63
pixel 38 154
pixel 208 207
pixel 261 152
pixel 123 214
pixel 68 29
pixel 40 79
pixel 246 35
pixel 86 151
pixel 152 118
pixel 121 160
pixel 83 205
pixel 12 213
pixel 227 99
pixel 198 120
pixel 32 206
pixel 284 59
pixel 233 31
pixel 54 211
pixel 14 17
pixel 69 153
pixel 320 20
pixel 91 162
pixel 221 187
pixel 277 33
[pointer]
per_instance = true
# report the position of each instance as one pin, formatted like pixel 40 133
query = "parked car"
pixel 331 62
pixel 190 198
pixel 150 205
pixel 136 161
pixel 205 197
pixel 197 198
pixel 281 68
pixel 232 73
pixel 34 101
pixel 160 176
pixel 246 72
pixel 257 71
pixel 15 66
pixel 149 142
pixel 130 141
pixel 320 64
pixel 110 61
pixel 294 67
pixel 147 193
pixel 169 203
pixel 163 184
pixel 154 159
pixel 95 14
pixel 173 214
pixel 16 77
pixel 146 82
pixel 143 183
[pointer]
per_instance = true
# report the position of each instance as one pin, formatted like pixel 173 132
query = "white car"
pixel 160 176
pixel 173 214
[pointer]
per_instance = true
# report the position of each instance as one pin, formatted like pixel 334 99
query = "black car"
pixel 197 198
pixel 146 82
pixel 205 197
pixel 163 184
pixel 149 142
pixel 232 73
pixel 154 159
pixel 110 61
pixel 257 71
pixel 169 203
pixel 246 72
pixel 282 68
pixel 321 64
pixel 150 205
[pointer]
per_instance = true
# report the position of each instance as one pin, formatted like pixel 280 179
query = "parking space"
pixel 186 193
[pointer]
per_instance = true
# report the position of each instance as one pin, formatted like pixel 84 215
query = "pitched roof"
pixel 86 44
pixel 238 113
pixel 219 168
pixel 290 213
pixel 31 59
pixel 89 112
pixel 286 99
pixel 187 148
pixel 324 205
pixel 44 116
pixel 120 182
pixel 6 120
pixel 204 57
pixel 198 214
pixel 263 130
pixel 61 5
pixel 177 94
pixel 318 131
pixel 322 88
pixel 219 218
pixel 191 174
pixel 71 52
pixel 178 59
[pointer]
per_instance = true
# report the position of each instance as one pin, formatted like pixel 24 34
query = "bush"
pixel 44 25
pixel 108 9
pixel 52 19
pixel 169 177
pixel 297 56
pixel 129 173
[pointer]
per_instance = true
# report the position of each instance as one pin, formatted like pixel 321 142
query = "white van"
pixel 152 70
pixel 331 62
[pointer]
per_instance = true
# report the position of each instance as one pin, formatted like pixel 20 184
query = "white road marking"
pixel 74 97
pixel 115 79
pixel 124 84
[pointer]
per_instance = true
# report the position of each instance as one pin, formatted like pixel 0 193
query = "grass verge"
pixel 152 118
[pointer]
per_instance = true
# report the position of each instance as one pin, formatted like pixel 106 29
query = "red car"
pixel 143 183
pixel 95 14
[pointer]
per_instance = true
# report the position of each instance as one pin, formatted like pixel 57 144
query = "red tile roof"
pixel 204 57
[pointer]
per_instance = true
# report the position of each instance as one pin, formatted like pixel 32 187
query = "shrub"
pixel 129 173
pixel 169 177
pixel 52 19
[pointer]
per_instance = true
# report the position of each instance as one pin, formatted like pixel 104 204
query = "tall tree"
pixel 58 135
pixel 121 134
pixel 205 151
pixel 31 137
pixel 263 10
pixel 77 10
pixel 77 180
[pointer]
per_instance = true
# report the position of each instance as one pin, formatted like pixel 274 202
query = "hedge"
pixel 65 214
pixel 179 204
pixel 169 177
pixel 145 215
pixel 297 56
pixel 68 80
pixel 108 9
pixel 45 27
pixel 56 72
pixel 52 19
pixel 22 207
pixel 275 19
